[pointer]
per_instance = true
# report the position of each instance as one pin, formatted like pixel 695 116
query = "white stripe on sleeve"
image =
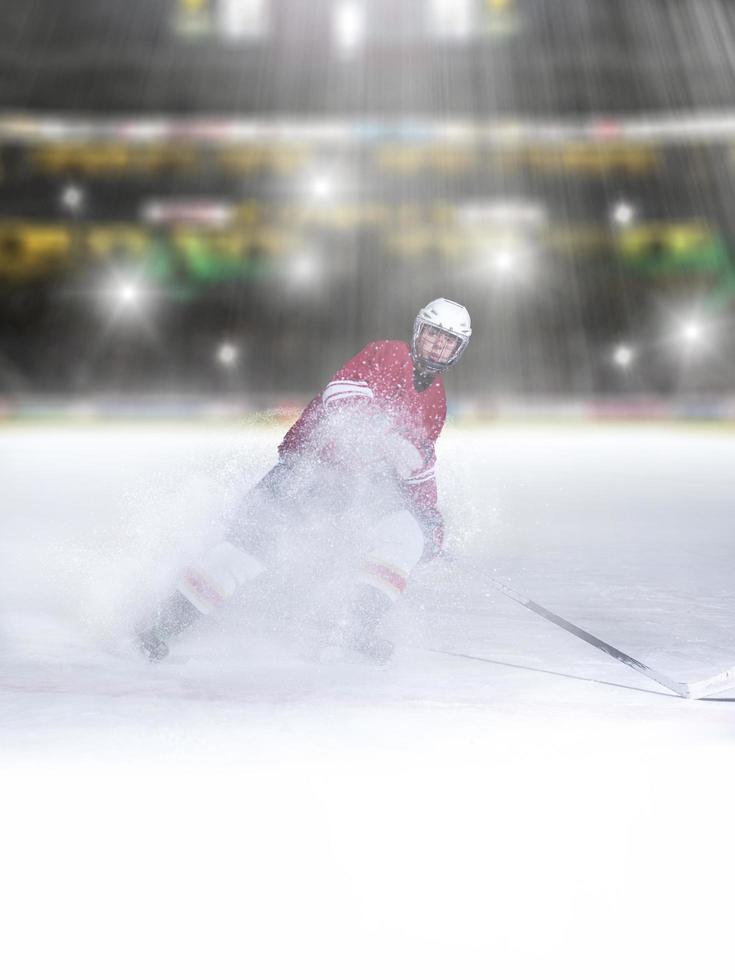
pixel 336 390
pixel 421 477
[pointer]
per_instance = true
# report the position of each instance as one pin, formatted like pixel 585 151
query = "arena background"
pixel 207 206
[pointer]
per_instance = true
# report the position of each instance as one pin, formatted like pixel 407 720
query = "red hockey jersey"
pixel 379 380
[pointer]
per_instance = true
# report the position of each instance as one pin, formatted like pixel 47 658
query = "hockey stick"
pixel 697 689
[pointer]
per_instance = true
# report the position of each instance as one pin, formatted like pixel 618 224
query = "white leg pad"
pixel 211 580
pixel 398 543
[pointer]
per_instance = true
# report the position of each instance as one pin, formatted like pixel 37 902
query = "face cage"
pixel 434 365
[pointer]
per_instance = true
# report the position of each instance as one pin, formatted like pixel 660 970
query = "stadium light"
pixel 348 27
pixel 508 263
pixel 693 329
pixel 451 19
pixel 623 213
pixel 72 198
pixel 227 355
pixel 623 356
pixel 242 19
pixel 505 261
pixel 125 295
pixel 128 293
pixel 692 332
pixel 304 269
pixel 322 187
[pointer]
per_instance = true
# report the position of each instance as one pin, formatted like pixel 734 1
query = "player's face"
pixel 435 345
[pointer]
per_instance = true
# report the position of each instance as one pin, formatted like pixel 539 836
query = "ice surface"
pixel 502 800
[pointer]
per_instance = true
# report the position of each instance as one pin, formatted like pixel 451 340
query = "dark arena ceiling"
pixel 293 176
pixel 534 57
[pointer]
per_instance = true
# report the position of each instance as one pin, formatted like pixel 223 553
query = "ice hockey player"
pixel 372 430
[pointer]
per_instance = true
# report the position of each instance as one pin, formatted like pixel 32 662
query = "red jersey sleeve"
pixel 353 386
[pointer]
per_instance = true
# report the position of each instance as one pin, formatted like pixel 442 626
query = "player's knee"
pixel 211 580
pixel 397 548
pixel 399 538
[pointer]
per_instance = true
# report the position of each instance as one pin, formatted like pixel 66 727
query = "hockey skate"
pixel 171 618
pixel 357 637
pixel 152 645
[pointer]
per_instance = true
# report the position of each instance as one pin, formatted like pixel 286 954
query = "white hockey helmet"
pixel 451 319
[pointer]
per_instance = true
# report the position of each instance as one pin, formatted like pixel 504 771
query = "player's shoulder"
pixel 389 350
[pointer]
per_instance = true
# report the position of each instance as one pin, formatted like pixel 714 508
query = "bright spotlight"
pixel 505 261
pixel 240 20
pixel 623 213
pixel 691 332
pixel 125 295
pixel 72 198
pixel 623 356
pixel 128 293
pixel 348 26
pixel 304 269
pixel 508 263
pixel 227 354
pixel 322 187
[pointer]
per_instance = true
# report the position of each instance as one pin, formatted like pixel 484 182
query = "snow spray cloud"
pixel 315 530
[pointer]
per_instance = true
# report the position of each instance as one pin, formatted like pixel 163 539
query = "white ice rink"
pixel 501 801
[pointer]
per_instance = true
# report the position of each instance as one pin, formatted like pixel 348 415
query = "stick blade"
pixel 725 681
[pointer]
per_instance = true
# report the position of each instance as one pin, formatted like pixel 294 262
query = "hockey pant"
pixel 396 545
